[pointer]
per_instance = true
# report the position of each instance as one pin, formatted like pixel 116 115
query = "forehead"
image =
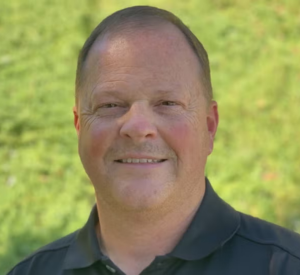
pixel 159 54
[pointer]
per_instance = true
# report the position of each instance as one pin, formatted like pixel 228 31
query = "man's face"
pixel 145 128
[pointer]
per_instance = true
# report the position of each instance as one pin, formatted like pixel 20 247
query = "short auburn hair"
pixel 138 17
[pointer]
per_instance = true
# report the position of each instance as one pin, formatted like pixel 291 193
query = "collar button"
pixel 110 269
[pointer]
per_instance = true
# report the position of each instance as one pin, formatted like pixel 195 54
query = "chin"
pixel 142 196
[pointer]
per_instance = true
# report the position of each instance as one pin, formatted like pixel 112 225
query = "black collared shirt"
pixel 219 240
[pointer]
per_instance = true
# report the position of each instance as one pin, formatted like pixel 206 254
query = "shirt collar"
pixel 84 250
pixel 214 224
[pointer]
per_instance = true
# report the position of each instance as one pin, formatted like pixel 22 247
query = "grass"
pixel 254 52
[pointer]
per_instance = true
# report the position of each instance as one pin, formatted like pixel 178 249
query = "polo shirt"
pixel 219 240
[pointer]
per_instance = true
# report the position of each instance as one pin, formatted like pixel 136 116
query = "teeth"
pixel 140 160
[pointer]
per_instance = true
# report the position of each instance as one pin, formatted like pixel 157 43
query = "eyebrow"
pixel 118 93
pixel 96 94
pixel 107 93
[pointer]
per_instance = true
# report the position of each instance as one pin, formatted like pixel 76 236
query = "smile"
pixel 132 160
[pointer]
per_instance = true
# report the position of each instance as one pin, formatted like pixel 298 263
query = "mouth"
pixel 142 160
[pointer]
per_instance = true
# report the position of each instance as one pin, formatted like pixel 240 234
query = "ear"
pixel 76 120
pixel 212 123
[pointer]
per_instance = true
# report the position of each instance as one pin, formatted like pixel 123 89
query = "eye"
pixel 109 105
pixel 169 103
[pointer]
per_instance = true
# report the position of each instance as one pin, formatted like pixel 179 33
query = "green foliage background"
pixel 254 49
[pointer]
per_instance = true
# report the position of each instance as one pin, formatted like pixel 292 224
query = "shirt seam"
pixel 269 243
pixel 38 253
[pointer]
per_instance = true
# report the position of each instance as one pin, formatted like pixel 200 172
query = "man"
pixel 146 122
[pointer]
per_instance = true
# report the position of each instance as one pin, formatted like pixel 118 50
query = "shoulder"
pixel 52 253
pixel 268 234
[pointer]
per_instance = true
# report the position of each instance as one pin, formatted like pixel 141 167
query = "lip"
pixel 139 165
pixel 139 157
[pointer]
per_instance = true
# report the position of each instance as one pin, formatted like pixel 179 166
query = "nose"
pixel 138 123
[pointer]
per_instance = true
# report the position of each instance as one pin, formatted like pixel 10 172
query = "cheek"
pixel 179 137
pixel 96 140
pixel 180 134
pixel 188 141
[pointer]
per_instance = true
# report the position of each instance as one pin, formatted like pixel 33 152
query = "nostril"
pixel 138 129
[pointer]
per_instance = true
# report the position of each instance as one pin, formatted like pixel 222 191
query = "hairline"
pixel 128 27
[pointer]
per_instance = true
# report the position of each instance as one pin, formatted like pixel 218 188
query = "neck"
pixel 132 239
